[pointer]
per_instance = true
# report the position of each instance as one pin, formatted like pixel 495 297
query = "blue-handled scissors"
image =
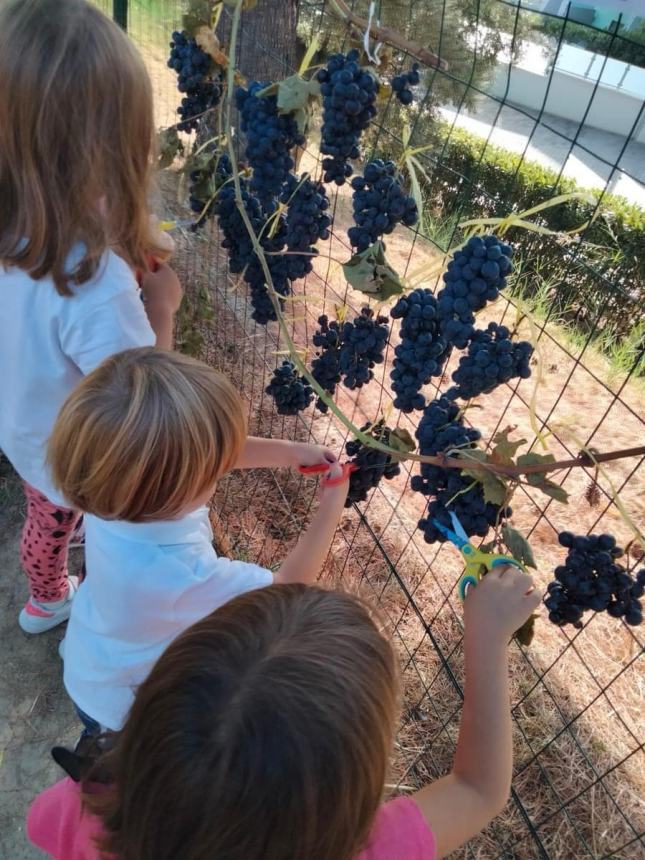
pixel 474 558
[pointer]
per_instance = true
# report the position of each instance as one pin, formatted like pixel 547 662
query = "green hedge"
pixel 603 273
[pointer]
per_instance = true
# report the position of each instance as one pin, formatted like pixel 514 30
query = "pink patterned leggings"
pixel 43 548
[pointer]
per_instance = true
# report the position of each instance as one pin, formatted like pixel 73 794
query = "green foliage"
pixel 597 275
pixel 627 45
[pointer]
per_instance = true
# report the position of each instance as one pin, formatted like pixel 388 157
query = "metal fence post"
pixel 120 13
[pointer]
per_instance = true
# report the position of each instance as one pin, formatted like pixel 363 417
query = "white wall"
pixel 569 96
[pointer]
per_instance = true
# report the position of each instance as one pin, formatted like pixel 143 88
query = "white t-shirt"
pixel 146 583
pixel 48 343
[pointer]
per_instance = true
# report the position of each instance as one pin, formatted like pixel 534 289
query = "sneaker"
pixel 38 617
pixel 78 536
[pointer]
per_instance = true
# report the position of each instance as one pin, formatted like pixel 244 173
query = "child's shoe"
pixel 38 617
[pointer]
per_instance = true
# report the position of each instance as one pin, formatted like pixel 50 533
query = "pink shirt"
pixel 56 824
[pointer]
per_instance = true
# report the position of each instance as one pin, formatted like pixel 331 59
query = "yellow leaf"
pixel 308 57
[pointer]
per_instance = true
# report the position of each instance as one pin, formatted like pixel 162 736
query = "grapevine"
pixel 401 84
pixel 379 204
pixel 363 344
pixel 422 352
pixel 196 77
pixel 371 465
pixel 492 358
pixel 270 139
pixel 290 391
pixel 349 94
pixel 592 579
pixel 475 276
pixel 442 429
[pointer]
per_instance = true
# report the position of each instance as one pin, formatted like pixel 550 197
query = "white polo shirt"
pixel 146 583
pixel 48 343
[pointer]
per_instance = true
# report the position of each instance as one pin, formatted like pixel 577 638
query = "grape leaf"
pixel 295 93
pixel 539 480
pixel 370 273
pixel 554 491
pixel 402 441
pixel 505 449
pixel 518 546
pixel 168 146
pixel 494 486
pixel 533 459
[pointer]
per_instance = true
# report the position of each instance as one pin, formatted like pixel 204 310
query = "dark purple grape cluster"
pixel 379 203
pixel 236 238
pixel 291 392
pixel 475 276
pixel 307 221
pixel 349 95
pixel 401 84
pixel 422 352
pixel 363 344
pixel 195 77
pixel 440 430
pixel 270 139
pixel 325 368
pixel 372 465
pixel 591 578
pixel 492 358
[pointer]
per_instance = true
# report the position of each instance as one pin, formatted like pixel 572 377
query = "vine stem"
pixel 387 34
pixel 583 460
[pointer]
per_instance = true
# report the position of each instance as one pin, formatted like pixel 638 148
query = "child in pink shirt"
pixel 264 732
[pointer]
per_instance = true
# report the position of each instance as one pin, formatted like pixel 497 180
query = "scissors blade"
pixel 459 529
pixel 447 532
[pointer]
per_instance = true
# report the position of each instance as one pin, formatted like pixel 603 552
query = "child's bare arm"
pixel 304 562
pixel 275 453
pixel 460 805
pixel 162 296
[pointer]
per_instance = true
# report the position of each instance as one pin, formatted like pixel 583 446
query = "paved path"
pixel 512 129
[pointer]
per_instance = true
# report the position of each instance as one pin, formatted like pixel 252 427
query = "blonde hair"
pixel 263 732
pixel 76 139
pixel 145 435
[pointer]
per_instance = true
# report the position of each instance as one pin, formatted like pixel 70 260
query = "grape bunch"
pixel 195 78
pixel 422 352
pixel 440 430
pixel 325 368
pixel 363 344
pixel 372 465
pixel 379 204
pixel 236 238
pixel 291 392
pixel 307 221
pixel 270 138
pixel 591 578
pixel 401 84
pixel 475 275
pixel 492 358
pixel 349 96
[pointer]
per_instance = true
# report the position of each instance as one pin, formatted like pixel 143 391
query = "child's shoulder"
pixel 400 830
pixel 57 824
pixel 112 277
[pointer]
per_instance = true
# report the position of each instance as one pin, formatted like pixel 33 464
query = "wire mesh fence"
pixel 577 694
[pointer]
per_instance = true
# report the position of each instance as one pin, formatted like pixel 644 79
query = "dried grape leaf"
pixel 169 145
pixel 370 273
pixel 402 441
pixel 505 449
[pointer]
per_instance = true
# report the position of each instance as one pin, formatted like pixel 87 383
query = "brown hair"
pixel 76 128
pixel 144 435
pixel 262 733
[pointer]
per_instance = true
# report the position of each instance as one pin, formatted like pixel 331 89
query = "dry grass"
pixel 577 698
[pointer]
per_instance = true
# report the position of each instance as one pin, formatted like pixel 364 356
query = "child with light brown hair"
pixel 265 731
pixel 139 447
pixel 76 161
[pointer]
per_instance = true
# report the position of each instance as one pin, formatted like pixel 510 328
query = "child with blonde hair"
pixel 265 731
pixel 76 147
pixel 139 447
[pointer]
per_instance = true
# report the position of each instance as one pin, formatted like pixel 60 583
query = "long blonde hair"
pixel 76 139
pixel 145 435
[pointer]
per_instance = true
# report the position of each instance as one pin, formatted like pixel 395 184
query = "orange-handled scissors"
pixel 321 468
pixel 474 558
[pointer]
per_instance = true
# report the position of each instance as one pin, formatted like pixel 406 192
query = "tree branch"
pixel 388 35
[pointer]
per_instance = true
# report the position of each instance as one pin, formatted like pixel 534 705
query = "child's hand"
pixel 304 454
pixel 161 290
pixel 499 605
pixel 332 491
